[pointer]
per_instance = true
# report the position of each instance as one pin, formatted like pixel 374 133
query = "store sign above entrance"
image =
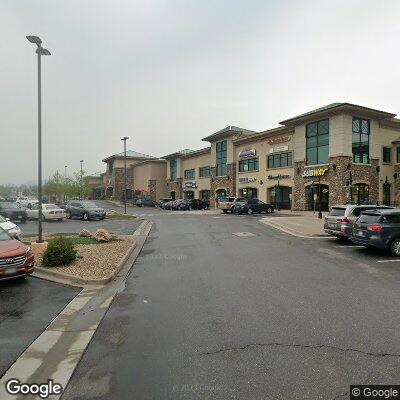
pixel 190 185
pixel 247 180
pixel 247 153
pixel 278 148
pixel 277 177
pixel 310 172
pixel 278 140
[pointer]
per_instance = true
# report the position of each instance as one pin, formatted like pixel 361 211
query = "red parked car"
pixel 16 258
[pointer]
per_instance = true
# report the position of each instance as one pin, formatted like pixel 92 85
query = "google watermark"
pixel 43 390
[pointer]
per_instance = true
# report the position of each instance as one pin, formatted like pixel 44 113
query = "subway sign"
pixel 311 172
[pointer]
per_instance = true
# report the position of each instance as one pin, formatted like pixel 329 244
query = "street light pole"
pixel 319 198
pixel 124 139
pixel 40 51
pixel 81 185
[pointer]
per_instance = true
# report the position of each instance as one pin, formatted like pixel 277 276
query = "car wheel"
pixel 69 215
pixel 249 211
pixel 395 247
pixel 59 219
pixel 269 210
pixel 224 211
pixel 232 210
pixel 85 216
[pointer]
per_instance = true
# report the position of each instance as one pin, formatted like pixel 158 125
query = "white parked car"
pixel 10 227
pixel 50 211
pixel 27 201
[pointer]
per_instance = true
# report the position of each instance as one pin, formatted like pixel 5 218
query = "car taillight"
pixel 374 228
pixel 342 220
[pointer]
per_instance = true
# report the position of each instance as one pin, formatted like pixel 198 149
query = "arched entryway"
pixel 312 197
pixel 279 197
pixel 204 195
pixel 220 193
pixel 172 195
pixel 109 192
pixel 189 194
pixel 248 193
pixel 360 193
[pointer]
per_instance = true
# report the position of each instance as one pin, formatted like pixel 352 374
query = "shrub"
pixel 60 251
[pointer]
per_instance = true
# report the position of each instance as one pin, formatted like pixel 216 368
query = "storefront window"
pixel 249 193
pixel 398 154
pixel 248 165
pixel 189 173
pixel 280 160
pixel 221 150
pixel 317 142
pixel 189 194
pixel 205 195
pixel 386 194
pixel 204 172
pixel 220 193
pixel 360 140
pixel 172 167
pixel 360 193
pixel 279 197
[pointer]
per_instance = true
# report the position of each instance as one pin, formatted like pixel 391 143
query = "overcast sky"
pixel 167 73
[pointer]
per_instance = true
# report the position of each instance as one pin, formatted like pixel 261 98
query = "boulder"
pixel 112 212
pixel 85 233
pixel 102 235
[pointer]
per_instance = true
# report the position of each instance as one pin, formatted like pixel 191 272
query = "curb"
pixel 293 232
pixel 48 274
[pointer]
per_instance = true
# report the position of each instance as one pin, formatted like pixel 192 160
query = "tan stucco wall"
pixel 195 162
pixel 143 173
pixel 263 149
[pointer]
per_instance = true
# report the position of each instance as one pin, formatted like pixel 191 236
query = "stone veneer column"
pixel 299 193
pixel 227 182
pixel 152 185
pixel 175 186
pixel 338 173
pixel 396 186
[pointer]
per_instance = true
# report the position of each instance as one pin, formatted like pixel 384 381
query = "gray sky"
pixel 167 73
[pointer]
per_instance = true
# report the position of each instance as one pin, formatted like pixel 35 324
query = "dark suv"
pixel 85 210
pixel 193 204
pixel 13 211
pixel 251 206
pixel 379 229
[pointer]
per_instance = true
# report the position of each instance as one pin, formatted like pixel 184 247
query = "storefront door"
pixel 312 201
pixel 360 193
pixel 189 194
pixel 386 194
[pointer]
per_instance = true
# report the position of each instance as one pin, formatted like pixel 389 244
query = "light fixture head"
pixel 43 52
pixel 34 39
pixel 125 138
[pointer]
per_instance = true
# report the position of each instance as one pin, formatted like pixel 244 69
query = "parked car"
pixel 145 203
pixel 85 210
pixel 16 258
pixel 228 203
pixel 162 201
pixel 12 229
pixel 27 201
pixel 49 212
pixel 169 205
pixel 176 204
pixel 251 206
pixel 13 211
pixel 378 229
pixel 193 204
pixel 339 222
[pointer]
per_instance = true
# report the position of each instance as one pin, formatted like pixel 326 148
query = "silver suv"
pixel 339 222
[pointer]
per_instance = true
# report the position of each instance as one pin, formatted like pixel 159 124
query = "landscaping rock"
pixel 102 235
pixel 85 233
pixel 112 212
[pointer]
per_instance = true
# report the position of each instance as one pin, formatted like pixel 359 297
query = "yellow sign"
pixel 310 172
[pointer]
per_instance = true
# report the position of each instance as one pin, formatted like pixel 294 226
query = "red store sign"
pixel 277 140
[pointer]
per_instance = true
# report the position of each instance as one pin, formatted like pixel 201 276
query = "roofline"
pixel 336 108
pixel 156 160
pixel 120 155
pixel 264 134
pixel 199 152
pixel 225 132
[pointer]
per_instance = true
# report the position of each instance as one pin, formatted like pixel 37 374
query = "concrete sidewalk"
pixel 305 224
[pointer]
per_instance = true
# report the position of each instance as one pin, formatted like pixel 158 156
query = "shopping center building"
pixel 339 153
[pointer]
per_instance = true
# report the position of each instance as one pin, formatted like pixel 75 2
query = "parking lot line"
pixel 386 261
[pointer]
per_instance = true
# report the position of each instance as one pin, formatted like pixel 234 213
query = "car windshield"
pixel 4 235
pixel 10 205
pixel 337 211
pixel 88 204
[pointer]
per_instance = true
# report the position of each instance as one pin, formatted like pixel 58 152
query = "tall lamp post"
pixel 40 51
pixel 124 139
pixel 81 185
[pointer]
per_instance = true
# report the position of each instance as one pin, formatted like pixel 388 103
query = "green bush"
pixel 60 251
